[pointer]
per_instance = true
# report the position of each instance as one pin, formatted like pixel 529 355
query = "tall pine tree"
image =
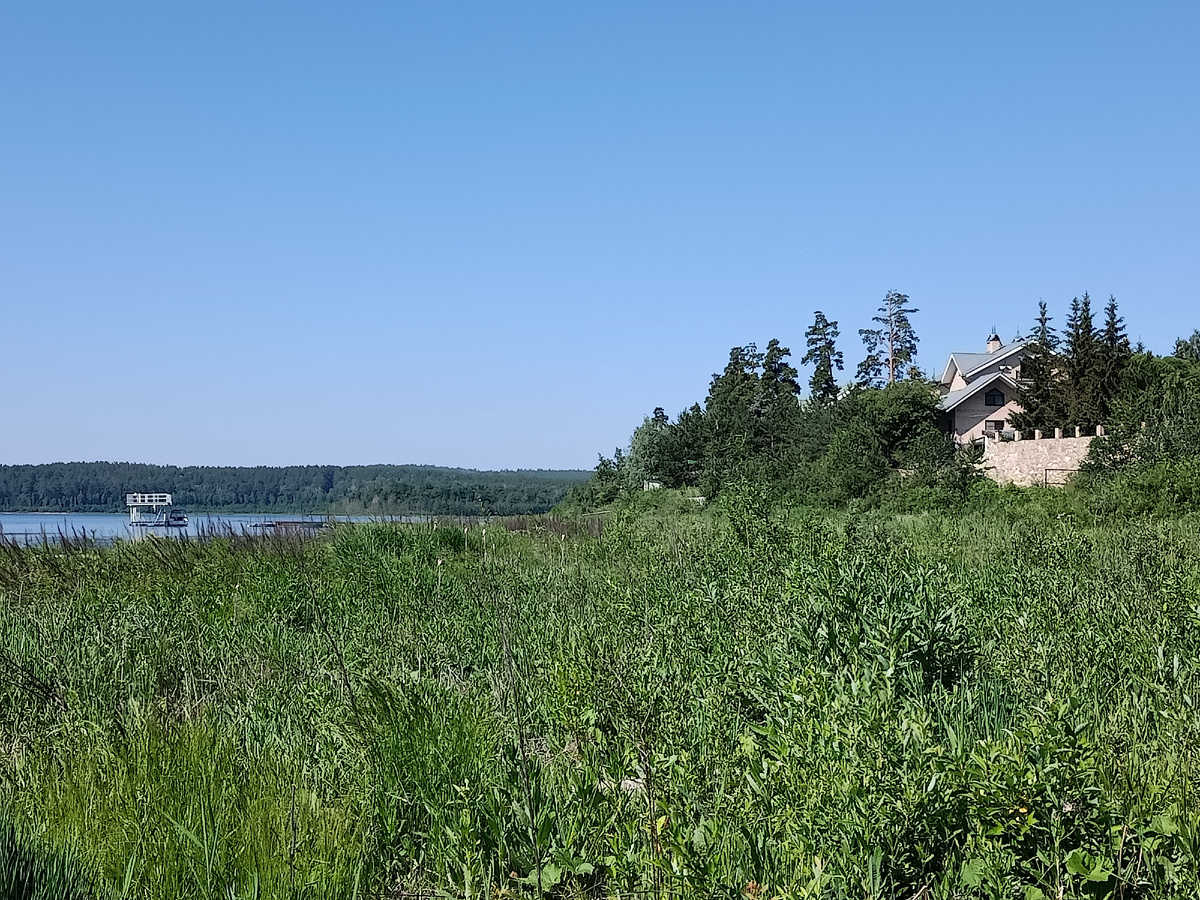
pixel 822 350
pixel 892 347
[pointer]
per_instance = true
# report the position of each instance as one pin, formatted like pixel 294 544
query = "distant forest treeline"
pixel 382 490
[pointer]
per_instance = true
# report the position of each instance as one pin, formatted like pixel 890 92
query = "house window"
pixel 993 398
pixel 991 426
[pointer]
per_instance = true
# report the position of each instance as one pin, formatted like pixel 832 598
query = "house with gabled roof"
pixel 979 390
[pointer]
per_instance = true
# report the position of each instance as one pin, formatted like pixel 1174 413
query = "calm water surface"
pixel 26 527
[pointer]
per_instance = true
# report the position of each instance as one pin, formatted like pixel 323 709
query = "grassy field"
pixel 986 705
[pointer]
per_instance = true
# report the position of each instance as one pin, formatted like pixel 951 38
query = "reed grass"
pixel 761 705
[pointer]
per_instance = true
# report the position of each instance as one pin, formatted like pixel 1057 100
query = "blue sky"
pixel 497 235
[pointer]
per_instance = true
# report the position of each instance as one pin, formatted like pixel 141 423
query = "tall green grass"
pixel 993 704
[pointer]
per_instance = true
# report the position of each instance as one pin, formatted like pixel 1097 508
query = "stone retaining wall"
pixel 1026 462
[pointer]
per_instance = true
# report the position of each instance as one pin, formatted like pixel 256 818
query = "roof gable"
pixel 954 398
pixel 988 358
pixel 969 363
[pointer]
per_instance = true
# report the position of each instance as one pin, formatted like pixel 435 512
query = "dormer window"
pixel 993 398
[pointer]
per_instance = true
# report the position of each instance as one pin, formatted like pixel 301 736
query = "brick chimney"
pixel 994 343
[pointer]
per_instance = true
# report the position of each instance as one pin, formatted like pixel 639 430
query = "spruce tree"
pixel 1045 335
pixel 1115 354
pixel 823 351
pixel 1075 381
pixel 1083 366
pixel 1038 388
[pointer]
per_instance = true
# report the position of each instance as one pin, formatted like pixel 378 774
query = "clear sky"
pixel 498 234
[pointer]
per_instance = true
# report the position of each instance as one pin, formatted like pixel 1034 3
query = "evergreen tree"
pixel 1189 348
pixel 648 449
pixel 870 370
pixel 1038 389
pixel 778 382
pixel 1115 354
pixel 1045 335
pixel 823 351
pixel 776 407
pixel 731 395
pixel 684 448
pixel 1076 380
pixel 892 347
pixel 1114 338
pixel 1083 367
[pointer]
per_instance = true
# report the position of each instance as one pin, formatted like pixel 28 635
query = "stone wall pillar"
pixel 1058 434
pixel 1037 434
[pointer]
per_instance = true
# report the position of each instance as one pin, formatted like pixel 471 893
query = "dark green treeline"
pixel 381 489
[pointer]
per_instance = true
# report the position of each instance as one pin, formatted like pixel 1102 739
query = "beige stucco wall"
pixel 970 415
pixel 1025 462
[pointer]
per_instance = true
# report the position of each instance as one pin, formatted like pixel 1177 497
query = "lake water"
pixel 104 527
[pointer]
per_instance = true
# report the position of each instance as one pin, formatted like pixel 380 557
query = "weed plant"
pixel 999 703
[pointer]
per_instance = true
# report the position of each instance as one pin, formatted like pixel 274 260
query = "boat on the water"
pixel 155 511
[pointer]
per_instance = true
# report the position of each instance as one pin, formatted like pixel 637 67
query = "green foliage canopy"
pixel 822 352
pixel 868 445
pixel 1075 381
pixel 892 347
pixel 383 489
